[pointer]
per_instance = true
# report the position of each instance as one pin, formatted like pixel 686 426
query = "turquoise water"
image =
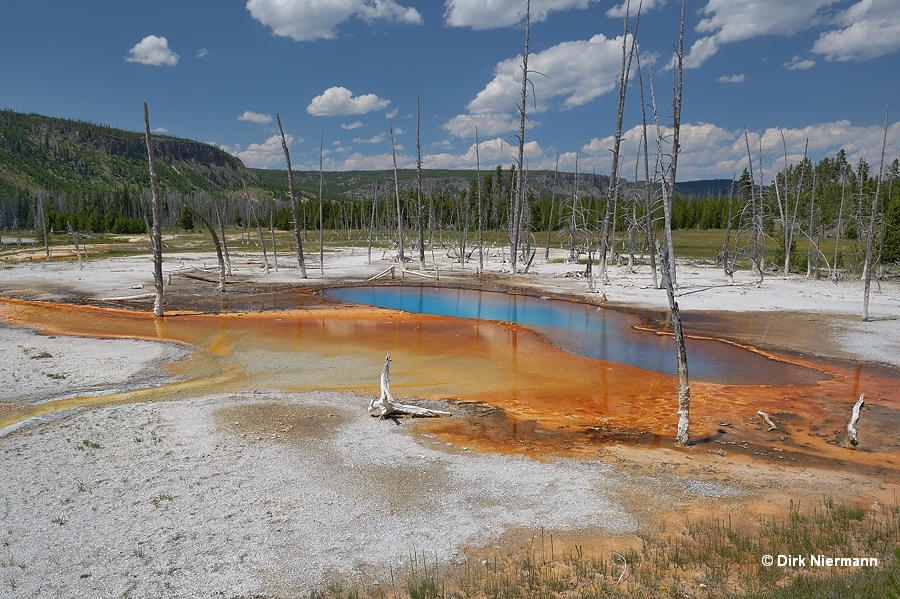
pixel 588 331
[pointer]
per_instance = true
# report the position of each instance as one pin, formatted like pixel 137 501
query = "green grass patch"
pixel 710 558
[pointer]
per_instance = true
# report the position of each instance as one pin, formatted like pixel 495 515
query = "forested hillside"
pixel 60 174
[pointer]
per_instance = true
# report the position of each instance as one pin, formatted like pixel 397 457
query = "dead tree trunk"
pixel 648 187
pixel 321 220
pixel 480 210
pixel 216 242
pixel 420 204
pixel 867 267
pixel 156 232
pixel 854 419
pixel 385 406
pixel 613 196
pixel 221 223
pixel 682 436
pixel 74 235
pixel 401 257
pixel 294 211
pixel 515 226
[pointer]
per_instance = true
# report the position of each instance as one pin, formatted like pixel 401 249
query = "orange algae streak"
pixel 538 395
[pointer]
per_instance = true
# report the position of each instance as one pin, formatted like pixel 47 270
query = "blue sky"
pixel 219 71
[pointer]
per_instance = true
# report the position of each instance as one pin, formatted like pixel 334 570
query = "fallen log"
pixel 854 418
pixel 386 407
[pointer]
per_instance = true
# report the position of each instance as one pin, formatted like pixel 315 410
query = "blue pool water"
pixel 589 331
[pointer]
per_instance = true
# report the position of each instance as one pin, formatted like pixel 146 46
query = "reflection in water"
pixel 589 331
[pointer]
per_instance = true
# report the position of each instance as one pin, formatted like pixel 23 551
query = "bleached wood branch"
pixel 768 420
pixel 854 418
pixel 384 272
pixel 385 406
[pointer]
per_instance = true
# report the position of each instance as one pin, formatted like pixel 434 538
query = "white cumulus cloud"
pixel 799 64
pixel 267 154
pixel 869 29
pixel 255 117
pixel 377 139
pixel 305 20
pixel 732 78
pixel 154 51
pixel 491 14
pixel 618 12
pixel 572 73
pixel 339 101
pixel 351 126
pixel 728 21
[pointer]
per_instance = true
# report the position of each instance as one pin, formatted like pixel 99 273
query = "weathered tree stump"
pixel 386 407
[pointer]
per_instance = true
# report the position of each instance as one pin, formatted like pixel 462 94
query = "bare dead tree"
pixel 262 241
pixel 372 221
pixel 515 226
pixel 221 223
pixel 552 202
pixel 755 241
pixel 867 266
pixel 480 210
pixel 272 233
pixel 809 253
pixel 293 199
pixel 156 232
pixel 216 242
pixel 667 256
pixel 612 197
pixel 401 257
pixel 321 219
pixel 837 235
pixel 648 187
pixel 420 204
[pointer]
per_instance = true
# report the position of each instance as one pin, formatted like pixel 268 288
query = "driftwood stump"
pixel 854 418
pixel 386 407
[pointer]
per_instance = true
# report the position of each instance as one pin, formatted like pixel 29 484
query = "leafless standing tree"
pixel 156 232
pixel 420 200
pixel 837 234
pixel 628 50
pixel 216 242
pixel 516 215
pixel 401 257
pixel 667 256
pixel 294 211
pixel 648 184
pixel 321 219
pixel 867 266
pixel 480 207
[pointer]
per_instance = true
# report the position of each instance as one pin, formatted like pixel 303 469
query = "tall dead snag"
pixel 420 204
pixel 854 419
pixel 385 406
pixel 480 209
pixel 156 231
pixel 667 256
pixel 612 196
pixel 648 186
pixel 515 224
pixel 321 220
pixel 867 266
pixel 669 176
pixel 682 436
pixel 294 212
pixel 401 257
pixel 216 242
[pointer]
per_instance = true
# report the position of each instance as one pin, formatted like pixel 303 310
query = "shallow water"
pixel 591 332
pixel 540 397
